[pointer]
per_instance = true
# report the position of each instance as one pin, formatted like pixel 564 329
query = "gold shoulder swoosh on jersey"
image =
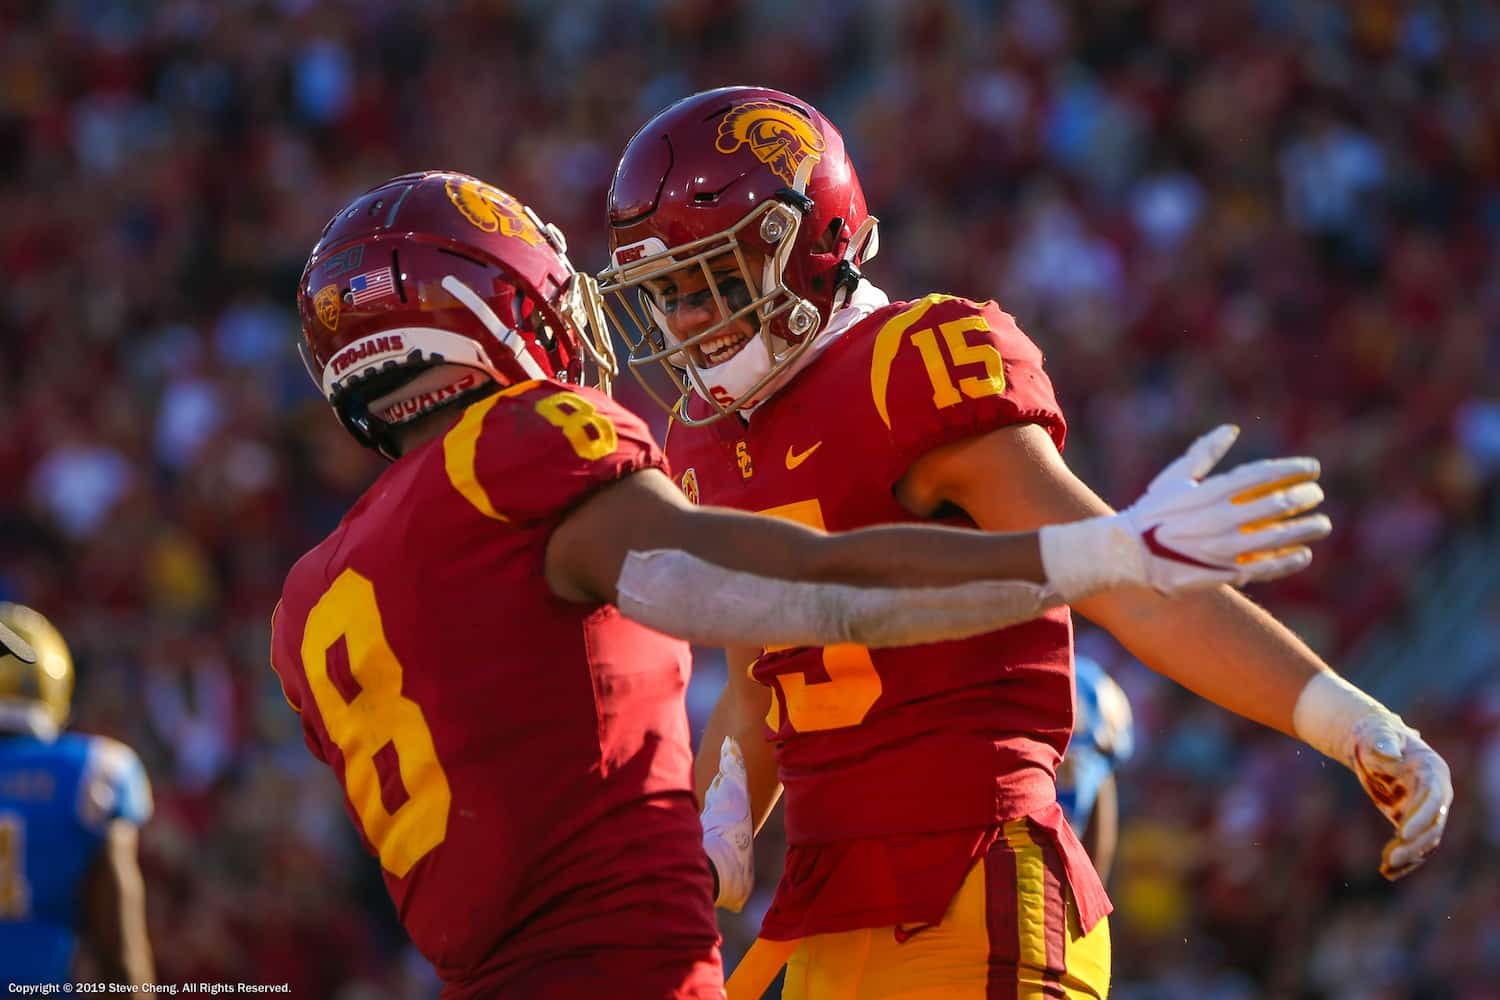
pixel 460 447
pixel 793 460
pixel 887 343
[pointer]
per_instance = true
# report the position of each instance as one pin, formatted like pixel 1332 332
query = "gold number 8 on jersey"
pixel 575 415
pixel 391 772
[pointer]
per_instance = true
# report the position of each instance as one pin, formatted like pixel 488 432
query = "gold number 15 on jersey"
pixel 908 325
pixel 852 687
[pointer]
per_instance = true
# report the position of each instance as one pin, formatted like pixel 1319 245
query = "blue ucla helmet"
pixel 36 673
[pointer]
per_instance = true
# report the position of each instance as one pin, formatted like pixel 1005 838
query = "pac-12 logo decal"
pixel 492 210
pixel 779 137
pixel 690 485
pixel 326 302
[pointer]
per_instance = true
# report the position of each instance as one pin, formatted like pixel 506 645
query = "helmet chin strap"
pixel 507 337
pixel 863 245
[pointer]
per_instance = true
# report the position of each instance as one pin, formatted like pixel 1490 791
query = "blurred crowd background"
pixel 1278 212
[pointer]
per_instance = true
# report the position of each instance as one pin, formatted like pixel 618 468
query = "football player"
pixel 927 852
pixel 71 807
pixel 477 649
pixel 1103 739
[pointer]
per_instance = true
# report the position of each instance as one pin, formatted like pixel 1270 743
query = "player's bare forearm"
pixel 892 556
pixel 1217 643
pixel 706 760
pixel 740 712
pixel 1239 656
pixel 921 556
pixel 115 910
pixel 646 512
pixel 1103 832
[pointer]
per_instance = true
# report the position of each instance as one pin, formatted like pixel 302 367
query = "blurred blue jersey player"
pixel 70 809
pixel 1102 740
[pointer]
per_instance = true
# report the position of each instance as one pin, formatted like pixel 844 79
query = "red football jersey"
pixel 894 744
pixel 519 764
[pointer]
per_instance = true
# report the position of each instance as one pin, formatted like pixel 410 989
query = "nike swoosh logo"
pixel 1158 549
pixel 793 459
pixel 905 934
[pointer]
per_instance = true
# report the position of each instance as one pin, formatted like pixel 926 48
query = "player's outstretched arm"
pixel 114 898
pixel 728 578
pixel 1216 642
pixel 1102 834
pixel 740 714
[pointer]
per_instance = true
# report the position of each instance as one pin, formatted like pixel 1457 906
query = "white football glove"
pixel 1410 785
pixel 1405 778
pixel 1191 533
pixel 728 836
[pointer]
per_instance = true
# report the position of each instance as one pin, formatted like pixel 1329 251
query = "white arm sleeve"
pixel 680 594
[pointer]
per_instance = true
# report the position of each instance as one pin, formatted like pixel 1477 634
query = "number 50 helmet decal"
pixel 749 179
pixel 434 287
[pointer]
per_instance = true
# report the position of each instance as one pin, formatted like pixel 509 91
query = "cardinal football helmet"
pixel 433 288
pixel 733 177
pixel 36 673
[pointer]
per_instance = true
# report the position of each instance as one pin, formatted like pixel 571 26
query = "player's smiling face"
pixel 686 299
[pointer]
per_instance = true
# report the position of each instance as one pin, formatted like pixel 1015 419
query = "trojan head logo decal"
pixel 690 485
pixel 778 136
pixel 492 210
pixel 326 302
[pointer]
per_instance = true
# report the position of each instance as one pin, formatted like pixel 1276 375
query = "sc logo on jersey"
pixel 779 137
pixel 690 485
pixel 742 458
pixel 492 210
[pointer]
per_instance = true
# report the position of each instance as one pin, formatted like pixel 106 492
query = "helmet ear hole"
pixel 543 330
pixel 829 240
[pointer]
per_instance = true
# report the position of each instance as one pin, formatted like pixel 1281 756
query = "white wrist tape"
pixel 1085 557
pixel 675 592
pixel 1327 711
